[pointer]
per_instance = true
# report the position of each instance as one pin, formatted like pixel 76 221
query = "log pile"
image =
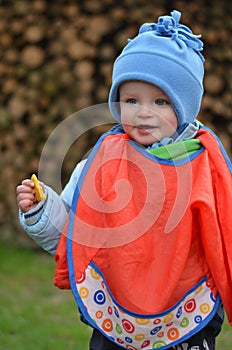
pixel 56 59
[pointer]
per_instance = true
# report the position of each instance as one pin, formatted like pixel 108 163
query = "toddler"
pixel 142 231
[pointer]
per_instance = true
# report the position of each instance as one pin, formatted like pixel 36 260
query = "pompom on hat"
pixel 166 54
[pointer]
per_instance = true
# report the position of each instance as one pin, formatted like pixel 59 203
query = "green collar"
pixel 178 150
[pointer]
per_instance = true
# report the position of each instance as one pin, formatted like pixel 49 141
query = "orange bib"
pixel 133 220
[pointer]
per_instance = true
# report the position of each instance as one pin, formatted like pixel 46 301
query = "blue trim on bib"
pixel 134 314
pixel 225 155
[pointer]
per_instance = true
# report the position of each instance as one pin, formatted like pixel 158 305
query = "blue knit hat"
pixel 166 54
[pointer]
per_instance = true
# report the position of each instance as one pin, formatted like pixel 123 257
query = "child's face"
pixel 147 115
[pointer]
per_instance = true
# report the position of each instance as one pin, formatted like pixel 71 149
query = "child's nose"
pixel 145 112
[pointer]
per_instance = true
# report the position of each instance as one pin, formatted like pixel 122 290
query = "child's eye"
pixel 131 101
pixel 161 102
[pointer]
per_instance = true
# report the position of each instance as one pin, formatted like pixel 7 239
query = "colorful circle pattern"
pixel 142 332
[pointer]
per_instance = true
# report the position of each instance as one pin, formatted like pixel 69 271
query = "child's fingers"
pixel 26 204
pixel 26 195
pixel 28 182
pixel 24 188
pixel 25 192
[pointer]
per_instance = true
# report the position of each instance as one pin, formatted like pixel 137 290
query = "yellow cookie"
pixel 39 193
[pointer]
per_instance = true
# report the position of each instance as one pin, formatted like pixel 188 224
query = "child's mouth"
pixel 145 129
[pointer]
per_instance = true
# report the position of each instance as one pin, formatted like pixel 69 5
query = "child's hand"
pixel 26 195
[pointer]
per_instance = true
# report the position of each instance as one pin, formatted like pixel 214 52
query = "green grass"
pixel 33 313
pixel 36 315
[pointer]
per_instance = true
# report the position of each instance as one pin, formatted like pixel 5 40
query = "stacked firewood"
pixel 56 60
